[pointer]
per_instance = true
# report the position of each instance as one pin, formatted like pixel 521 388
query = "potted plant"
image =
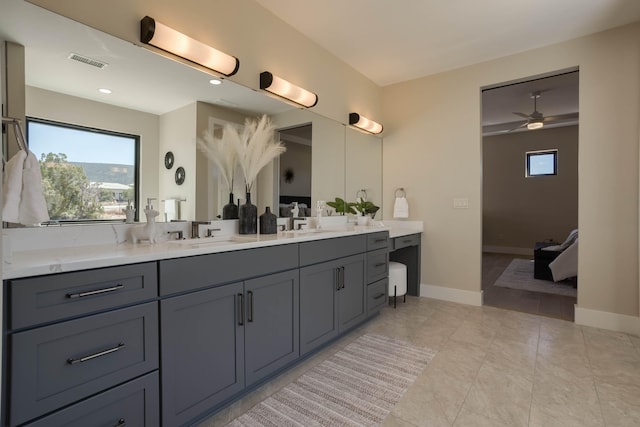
pixel 365 209
pixel 342 207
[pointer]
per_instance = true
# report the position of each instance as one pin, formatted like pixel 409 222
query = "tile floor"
pixel 496 367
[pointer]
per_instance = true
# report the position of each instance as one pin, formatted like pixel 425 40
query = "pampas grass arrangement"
pixel 222 153
pixel 255 147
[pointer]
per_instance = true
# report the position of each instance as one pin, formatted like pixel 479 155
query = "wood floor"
pixel 557 306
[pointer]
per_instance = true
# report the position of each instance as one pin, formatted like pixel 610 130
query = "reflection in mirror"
pixel 167 103
pixel 295 170
pixel 364 156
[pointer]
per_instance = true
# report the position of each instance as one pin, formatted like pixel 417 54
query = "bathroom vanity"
pixel 166 334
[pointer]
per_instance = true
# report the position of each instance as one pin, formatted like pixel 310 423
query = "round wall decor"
pixel 168 160
pixel 180 173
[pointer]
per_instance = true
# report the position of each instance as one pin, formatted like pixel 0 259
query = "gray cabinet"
pixel 202 349
pixel 406 250
pixel 134 403
pixel 217 341
pixel 332 300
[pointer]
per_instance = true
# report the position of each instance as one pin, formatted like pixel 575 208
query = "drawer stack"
pixel 88 333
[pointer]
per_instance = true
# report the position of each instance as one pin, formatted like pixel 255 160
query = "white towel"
pixel 23 198
pixel 401 208
pixel 33 207
pixel 171 209
pixel 12 187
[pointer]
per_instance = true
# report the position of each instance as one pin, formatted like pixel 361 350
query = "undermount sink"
pixel 212 241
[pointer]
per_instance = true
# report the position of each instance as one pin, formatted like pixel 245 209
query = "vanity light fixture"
pixel 159 35
pixel 365 124
pixel 284 89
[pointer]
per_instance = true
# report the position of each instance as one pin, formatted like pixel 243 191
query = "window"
pixel 541 163
pixel 87 174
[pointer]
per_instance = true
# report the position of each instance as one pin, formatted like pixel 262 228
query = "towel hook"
pixel 400 190
pixel 362 191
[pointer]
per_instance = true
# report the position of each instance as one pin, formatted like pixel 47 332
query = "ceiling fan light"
pixel 535 125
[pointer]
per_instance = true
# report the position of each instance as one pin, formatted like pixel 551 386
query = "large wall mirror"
pixel 168 105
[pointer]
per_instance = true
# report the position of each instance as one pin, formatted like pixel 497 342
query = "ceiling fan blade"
pixel 518 127
pixel 561 118
pixel 526 116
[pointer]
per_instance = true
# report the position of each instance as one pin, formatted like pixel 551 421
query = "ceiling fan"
pixel 537 120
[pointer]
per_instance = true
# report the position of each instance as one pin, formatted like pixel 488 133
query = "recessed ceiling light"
pixel 215 81
pixel 103 90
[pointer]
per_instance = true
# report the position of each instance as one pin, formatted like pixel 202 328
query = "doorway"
pixel 525 202
pixel 294 170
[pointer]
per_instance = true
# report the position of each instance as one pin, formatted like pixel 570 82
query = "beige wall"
pixel 55 106
pixel 242 28
pixel 518 211
pixel 432 148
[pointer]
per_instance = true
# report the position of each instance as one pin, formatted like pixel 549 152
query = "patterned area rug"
pixel 357 386
pixel 519 275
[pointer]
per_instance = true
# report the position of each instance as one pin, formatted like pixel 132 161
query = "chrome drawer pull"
pixel 379 296
pixel 121 423
pixel 71 361
pixel 380 240
pixel 96 292
pixel 380 264
pixel 407 241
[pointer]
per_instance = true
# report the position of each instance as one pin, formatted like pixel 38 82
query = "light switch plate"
pixel 461 203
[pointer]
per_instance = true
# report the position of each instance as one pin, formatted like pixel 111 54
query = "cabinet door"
pixel 202 351
pixel 351 296
pixel 272 338
pixel 318 314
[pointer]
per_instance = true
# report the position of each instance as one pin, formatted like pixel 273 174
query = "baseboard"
pixel 451 294
pixel 606 320
pixel 508 250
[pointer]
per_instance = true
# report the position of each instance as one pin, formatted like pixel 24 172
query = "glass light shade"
pixel 365 124
pixel 287 90
pixel 159 35
pixel 535 125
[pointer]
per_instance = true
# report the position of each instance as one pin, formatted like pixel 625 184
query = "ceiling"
pixel 414 39
pixel 394 41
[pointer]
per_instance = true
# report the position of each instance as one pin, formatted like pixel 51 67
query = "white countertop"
pixel 34 262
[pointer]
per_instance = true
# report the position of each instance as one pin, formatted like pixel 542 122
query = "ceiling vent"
pixel 88 61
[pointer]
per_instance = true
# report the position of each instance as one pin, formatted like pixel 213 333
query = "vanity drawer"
pixel 197 272
pixel 135 403
pixel 57 365
pixel 404 241
pixel 376 296
pixel 329 249
pixel 44 299
pixel 377 265
pixel 378 241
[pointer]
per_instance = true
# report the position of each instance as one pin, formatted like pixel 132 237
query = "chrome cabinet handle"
pixel 121 423
pixel 337 278
pixel 380 264
pixel 72 361
pixel 250 316
pixel 407 241
pixel 342 276
pixel 379 296
pixel 381 240
pixel 241 309
pixel 96 292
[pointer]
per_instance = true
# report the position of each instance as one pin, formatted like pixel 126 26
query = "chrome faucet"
pixel 210 232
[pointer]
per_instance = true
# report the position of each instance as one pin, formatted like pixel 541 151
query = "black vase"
pixel 248 216
pixel 230 211
pixel 268 222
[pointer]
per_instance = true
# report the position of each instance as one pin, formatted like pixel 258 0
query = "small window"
pixel 87 174
pixel 542 163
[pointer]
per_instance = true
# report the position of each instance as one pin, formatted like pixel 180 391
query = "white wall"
pixel 432 148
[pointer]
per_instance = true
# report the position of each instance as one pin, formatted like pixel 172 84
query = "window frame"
pixel 532 154
pixel 136 172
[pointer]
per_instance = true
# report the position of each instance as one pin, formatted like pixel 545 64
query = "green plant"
pixel 342 207
pixel 365 207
